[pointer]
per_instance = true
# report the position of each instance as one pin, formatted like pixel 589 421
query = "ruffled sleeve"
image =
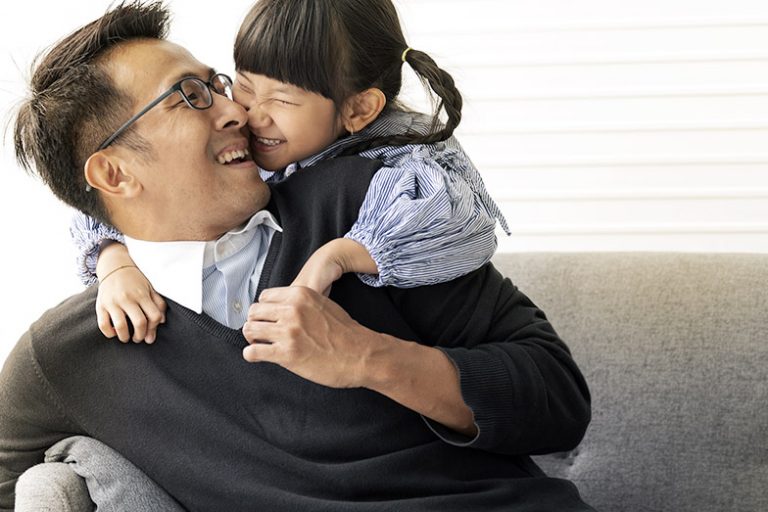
pixel 423 223
pixel 89 234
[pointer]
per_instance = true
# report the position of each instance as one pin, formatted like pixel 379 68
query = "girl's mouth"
pixel 263 144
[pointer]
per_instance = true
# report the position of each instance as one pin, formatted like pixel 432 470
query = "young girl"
pixel 320 80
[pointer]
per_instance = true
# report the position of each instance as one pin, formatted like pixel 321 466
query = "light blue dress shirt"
pixel 218 277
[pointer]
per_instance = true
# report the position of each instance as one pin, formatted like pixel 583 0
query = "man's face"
pixel 188 191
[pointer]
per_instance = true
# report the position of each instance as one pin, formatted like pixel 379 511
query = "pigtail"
pixel 441 89
pixel 441 83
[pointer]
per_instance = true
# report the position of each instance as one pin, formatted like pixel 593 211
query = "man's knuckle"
pixel 155 317
pixel 293 332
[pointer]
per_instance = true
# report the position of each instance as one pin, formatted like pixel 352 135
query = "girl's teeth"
pixel 267 142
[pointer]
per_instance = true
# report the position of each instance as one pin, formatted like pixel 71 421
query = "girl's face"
pixel 287 123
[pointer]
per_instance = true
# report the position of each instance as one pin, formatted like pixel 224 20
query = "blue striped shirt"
pixel 427 217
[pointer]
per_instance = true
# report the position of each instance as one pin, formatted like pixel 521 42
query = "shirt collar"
pixel 175 269
pixel 233 241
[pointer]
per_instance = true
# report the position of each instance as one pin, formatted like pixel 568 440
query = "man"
pixel 379 399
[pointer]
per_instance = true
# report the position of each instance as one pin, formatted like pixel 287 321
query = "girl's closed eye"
pixel 244 88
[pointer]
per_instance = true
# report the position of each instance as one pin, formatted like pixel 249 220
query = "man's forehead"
pixel 148 67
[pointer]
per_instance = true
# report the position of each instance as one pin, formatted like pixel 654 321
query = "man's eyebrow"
pixel 206 75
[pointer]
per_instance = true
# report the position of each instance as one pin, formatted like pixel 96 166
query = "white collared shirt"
pixel 218 277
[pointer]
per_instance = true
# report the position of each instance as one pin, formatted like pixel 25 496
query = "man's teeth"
pixel 233 155
pixel 268 142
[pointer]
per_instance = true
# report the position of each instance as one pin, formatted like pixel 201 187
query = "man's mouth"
pixel 234 157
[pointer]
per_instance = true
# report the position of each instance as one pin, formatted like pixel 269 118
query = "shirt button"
pixel 237 306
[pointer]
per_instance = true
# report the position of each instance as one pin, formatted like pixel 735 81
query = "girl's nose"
pixel 257 117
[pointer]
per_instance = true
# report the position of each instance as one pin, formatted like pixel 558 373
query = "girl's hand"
pixel 126 292
pixel 331 261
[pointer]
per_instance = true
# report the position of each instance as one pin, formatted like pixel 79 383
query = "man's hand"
pixel 311 336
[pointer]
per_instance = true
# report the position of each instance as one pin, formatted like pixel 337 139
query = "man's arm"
pixel 517 376
pixel 505 364
pixel 30 421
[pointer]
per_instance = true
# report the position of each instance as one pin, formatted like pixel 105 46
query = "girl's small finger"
pixel 105 324
pixel 120 324
pixel 138 320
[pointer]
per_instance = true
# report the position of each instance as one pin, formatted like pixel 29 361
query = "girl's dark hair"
pixel 338 48
pixel 73 104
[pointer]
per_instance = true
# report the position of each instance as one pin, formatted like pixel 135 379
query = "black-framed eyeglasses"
pixel 195 92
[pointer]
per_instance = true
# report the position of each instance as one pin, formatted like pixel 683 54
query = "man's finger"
pixel 261 332
pixel 280 294
pixel 267 312
pixel 260 352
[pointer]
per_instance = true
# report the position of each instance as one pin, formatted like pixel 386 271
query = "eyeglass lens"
pixel 196 93
pixel 222 84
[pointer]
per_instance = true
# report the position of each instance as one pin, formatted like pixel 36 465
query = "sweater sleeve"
pixel 30 419
pixel 89 234
pixel 527 394
pixel 423 223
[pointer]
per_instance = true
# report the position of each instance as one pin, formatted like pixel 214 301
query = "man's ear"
pixel 362 109
pixel 106 172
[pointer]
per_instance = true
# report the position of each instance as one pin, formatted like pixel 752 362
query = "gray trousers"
pixel 83 474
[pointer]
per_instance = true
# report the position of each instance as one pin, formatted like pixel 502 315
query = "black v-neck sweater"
pixel 221 434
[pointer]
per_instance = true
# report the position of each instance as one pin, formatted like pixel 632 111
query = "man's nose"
pixel 228 114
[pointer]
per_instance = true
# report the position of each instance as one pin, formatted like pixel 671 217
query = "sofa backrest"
pixel 675 350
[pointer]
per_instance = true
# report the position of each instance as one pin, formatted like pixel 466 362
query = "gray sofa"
pixel 675 349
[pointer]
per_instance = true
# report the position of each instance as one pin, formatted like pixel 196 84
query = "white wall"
pixel 605 125
pixel 597 125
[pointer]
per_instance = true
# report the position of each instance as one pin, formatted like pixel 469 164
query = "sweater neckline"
pixel 208 324
pixel 211 326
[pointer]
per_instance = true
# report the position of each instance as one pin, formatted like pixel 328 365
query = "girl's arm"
pixel 89 235
pixel 426 219
pixel 329 262
pixel 124 293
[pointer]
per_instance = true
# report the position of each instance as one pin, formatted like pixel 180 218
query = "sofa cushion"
pixel 674 349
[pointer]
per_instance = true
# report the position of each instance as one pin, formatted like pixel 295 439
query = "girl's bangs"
pixel 277 45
